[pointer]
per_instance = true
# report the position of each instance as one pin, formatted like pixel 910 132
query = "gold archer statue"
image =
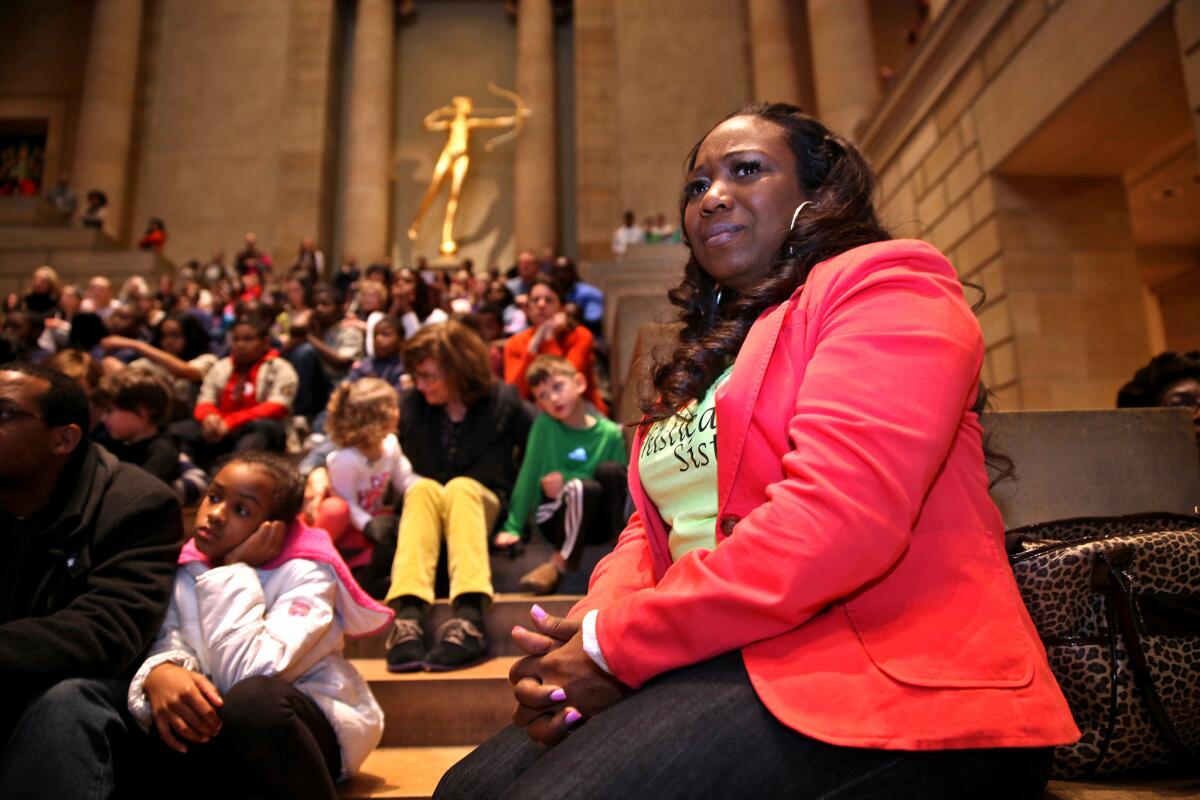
pixel 457 119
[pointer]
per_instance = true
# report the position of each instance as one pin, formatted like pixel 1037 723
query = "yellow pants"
pixel 463 511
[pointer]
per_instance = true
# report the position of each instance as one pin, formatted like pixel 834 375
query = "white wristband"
pixel 591 644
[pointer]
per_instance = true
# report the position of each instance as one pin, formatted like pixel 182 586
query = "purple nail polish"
pixel 572 717
pixel 558 695
pixel 538 612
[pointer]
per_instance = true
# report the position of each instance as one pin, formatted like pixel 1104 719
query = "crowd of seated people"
pixel 223 358
pixel 418 414
pixel 377 423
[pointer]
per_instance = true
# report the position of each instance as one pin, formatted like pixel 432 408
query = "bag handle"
pixel 1108 575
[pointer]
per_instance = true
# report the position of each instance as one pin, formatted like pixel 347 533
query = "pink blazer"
pixel 860 565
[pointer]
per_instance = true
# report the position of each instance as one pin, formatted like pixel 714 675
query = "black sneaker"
pixel 458 644
pixel 405 646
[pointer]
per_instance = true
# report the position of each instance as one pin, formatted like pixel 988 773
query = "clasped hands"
pixel 213 428
pixel 557 684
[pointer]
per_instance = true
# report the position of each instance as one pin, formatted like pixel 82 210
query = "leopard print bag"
pixel 1117 603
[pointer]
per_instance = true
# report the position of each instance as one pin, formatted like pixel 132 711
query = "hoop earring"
pixel 796 214
pixel 789 250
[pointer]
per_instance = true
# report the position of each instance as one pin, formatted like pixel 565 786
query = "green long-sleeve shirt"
pixel 554 447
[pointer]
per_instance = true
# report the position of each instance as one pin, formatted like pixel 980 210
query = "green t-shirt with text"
pixel 677 464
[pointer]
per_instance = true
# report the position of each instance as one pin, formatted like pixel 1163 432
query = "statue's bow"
pixel 520 112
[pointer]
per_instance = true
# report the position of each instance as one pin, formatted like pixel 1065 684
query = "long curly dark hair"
pixel 836 177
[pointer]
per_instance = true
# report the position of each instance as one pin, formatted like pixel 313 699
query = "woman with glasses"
pixel 460 429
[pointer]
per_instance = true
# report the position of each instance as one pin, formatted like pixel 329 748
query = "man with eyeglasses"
pixel 87 554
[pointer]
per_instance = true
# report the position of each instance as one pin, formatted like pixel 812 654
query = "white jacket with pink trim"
pixel 234 622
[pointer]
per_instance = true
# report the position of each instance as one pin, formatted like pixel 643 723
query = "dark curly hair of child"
pixel 1151 381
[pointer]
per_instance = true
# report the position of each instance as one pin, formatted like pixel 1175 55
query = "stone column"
pixel 535 171
pixel 370 130
pixel 843 62
pixel 1187 28
pixel 772 52
pixel 597 140
pixel 106 106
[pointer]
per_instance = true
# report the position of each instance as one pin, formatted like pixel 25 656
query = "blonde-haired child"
pixel 370 306
pixel 363 415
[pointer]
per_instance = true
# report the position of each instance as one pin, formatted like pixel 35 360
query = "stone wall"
pixel 650 79
pixel 232 130
pixel 1064 320
pixel 43 50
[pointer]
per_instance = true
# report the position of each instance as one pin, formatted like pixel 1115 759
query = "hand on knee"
pixel 256 706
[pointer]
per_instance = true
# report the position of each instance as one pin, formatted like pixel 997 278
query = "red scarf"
pixel 241 390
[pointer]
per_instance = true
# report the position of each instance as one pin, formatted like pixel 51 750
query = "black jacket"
pixel 85 582
pixel 490 443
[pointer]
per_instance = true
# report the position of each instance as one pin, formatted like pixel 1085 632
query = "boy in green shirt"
pixel 572 479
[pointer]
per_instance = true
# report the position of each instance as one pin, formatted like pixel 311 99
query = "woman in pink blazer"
pixel 826 610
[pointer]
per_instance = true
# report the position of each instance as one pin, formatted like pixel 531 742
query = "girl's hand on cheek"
pixel 261 546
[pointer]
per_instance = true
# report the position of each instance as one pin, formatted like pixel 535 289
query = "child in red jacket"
pixel 245 399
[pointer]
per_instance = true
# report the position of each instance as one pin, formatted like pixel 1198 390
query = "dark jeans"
pixel 274 743
pixel 259 434
pixel 69 742
pixel 599 519
pixel 312 393
pixel 701 731
pixel 375 577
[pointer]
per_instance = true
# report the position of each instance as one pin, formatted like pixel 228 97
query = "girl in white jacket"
pixel 246 680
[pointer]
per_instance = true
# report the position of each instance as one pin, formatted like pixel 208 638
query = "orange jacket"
pixel 576 345
pixel 860 562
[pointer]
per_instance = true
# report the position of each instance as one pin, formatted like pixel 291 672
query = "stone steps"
pixel 77 266
pixel 635 293
pixel 625 313
pixel 1123 790
pixel 28 211
pixel 436 718
pixel 441 709
pixel 401 773
pixel 46 237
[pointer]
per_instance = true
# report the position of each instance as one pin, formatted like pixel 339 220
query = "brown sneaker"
pixel 405 646
pixel 459 644
pixel 542 579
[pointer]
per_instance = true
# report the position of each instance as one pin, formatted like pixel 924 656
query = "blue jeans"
pixel 701 731
pixel 70 742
